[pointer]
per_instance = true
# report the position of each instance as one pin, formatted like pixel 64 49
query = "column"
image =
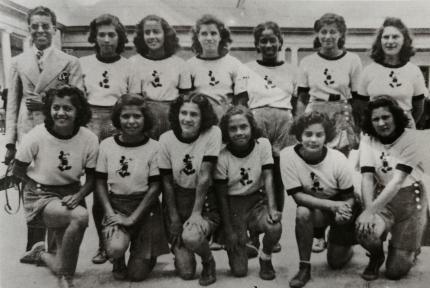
pixel 294 55
pixel 6 54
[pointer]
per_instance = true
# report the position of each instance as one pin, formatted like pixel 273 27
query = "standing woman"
pixel 328 80
pixel 187 159
pixel 105 79
pixel 392 73
pixel 214 72
pixel 397 204
pixel 157 73
pixel 51 160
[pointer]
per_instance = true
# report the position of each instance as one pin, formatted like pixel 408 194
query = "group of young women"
pixel 157 118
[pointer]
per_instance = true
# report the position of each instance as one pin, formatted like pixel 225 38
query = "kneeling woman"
pixel 128 185
pixel 187 159
pixel 244 170
pixel 398 205
pixel 50 162
pixel 320 181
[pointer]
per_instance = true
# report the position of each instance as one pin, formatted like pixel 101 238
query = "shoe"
pixel 65 282
pixel 319 245
pixel 33 255
pixel 100 257
pixel 208 275
pixel 372 270
pixel 302 277
pixel 119 269
pixel 251 250
pixel 277 248
pixel 266 270
pixel 215 246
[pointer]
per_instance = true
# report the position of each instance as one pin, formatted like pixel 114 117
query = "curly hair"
pixel 43 11
pixel 208 116
pixel 400 119
pixel 238 110
pixel 407 51
pixel 310 118
pixel 269 25
pixel 131 100
pixel 224 33
pixel 78 99
pixel 327 19
pixel 108 19
pixel 171 41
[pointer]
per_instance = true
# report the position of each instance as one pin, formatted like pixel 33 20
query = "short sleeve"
pixel 28 148
pixel 102 161
pixel 241 82
pixel 163 157
pixel 266 152
pixel 367 158
pixel 214 142
pixel 419 84
pixel 343 173
pixel 221 170
pixel 93 149
pixel 355 73
pixel 289 175
pixel 302 76
pixel 184 76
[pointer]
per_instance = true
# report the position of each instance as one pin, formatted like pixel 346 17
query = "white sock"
pixel 265 256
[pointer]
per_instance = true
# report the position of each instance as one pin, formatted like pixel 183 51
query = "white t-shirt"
pixel 402 83
pixel 159 79
pixel 271 86
pixel 243 173
pixel 57 161
pixel 105 82
pixel 325 76
pixel 185 159
pixel 325 179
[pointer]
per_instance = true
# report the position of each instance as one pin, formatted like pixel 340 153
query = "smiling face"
pixel 392 41
pixel 239 131
pixel 313 138
pixel 63 113
pixel 269 45
pixel 329 36
pixel 383 121
pixel 190 119
pixel 131 120
pixel 42 30
pixel 107 40
pixel 153 34
pixel 209 38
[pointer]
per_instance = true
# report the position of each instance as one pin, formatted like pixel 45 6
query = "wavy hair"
pixel 309 119
pixel 43 11
pixel 238 110
pixel 327 19
pixel 258 30
pixel 129 100
pixel 108 19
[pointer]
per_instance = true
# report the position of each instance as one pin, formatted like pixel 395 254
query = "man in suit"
pixel 40 68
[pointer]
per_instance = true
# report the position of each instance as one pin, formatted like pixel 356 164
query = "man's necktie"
pixel 39 55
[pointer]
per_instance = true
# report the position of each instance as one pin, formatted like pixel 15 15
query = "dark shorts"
pixel 405 217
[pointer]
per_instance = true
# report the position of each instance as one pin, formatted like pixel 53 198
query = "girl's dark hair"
pixel 400 119
pixel 309 119
pixel 83 112
pixel 108 19
pixel 407 51
pixel 270 25
pixel 43 11
pixel 327 19
pixel 238 110
pixel 171 41
pixel 129 100
pixel 208 116
pixel 223 32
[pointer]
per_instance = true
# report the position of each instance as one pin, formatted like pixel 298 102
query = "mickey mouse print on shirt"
pixel 123 170
pixel 244 176
pixel 269 83
pixel 188 165
pixel 156 81
pixel 316 184
pixel 64 161
pixel 394 80
pixel 104 83
pixel 385 165
pixel 212 79
pixel 328 77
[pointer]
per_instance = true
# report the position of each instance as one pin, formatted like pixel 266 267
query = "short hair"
pixel 78 99
pixel 224 33
pixel 108 19
pixel 129 100
pixel 43 11
pixel 258 30
pixel 171 40
pixel 407 51
pixel 208 116
pixel 327 19
pixel 310 118
pixel 400 119
pixel 238 110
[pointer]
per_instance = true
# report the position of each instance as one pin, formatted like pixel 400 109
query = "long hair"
pixel 327 19
pixel 108 19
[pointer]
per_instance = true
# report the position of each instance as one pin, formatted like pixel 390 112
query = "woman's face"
pixel 392 41
pixel 329 36
pixel 209 38
pixel 383 121
pixel 313 138
pixel 190 119
pixel 239 131
pixel 269 44
pixel 107 40
pixel 63 113
pixel 153 34
pixel 131 120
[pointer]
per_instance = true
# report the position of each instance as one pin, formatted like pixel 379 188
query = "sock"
pixel 264 256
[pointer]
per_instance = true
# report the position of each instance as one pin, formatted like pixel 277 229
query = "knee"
pixel 185 267
pixel 273 230
pixel 138 271
pixel 303 215
pixel 115 249
pixel 79 216
pixel 368 241
pixel 397 268
pixel 192 239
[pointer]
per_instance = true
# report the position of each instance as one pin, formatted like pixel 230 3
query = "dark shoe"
pixel 251 250
pixel 372 270
pixel 100 257
pixel 302 277
pixel 33 256
pixel 266 270
pixel 277 248
pixel 119 270
pixel 208 275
